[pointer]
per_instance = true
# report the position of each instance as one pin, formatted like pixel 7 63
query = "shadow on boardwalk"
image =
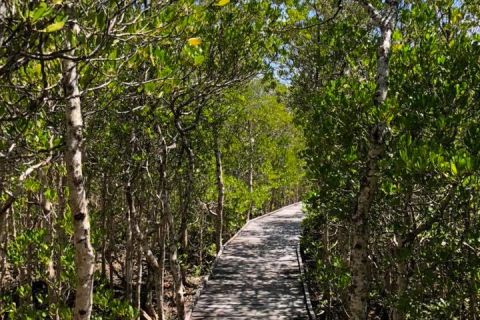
pixel 257 276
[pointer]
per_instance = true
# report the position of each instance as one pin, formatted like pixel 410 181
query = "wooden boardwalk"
pixel 257 276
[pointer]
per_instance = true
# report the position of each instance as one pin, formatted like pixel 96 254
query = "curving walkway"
pixel 257 276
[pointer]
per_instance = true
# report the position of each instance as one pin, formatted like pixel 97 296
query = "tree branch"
pixel 374 12
pixel 411 236
pixel 13 195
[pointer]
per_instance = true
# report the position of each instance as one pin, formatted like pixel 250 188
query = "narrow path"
pixel 258 276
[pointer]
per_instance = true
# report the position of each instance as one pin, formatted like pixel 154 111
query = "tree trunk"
pixel 201 240
pixel 186 201
pixel 161 271
pixel 61 237
pixel 49 214
pixel 402 277
pixel 175 267
pixel 129 256
pixel 162 228
pixel 150 290
pixel 138 289
pixel 84 255
pixel 139 261
pixel 402 285
pixel 104 226
pixel 220 196
pixel 368 184
pixel 250 170
pixel 12 232
pixel 3 243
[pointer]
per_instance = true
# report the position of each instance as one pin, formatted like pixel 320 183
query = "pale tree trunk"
pixel 359 254
pixel 84 254
pixel 359 265
pixel 109 253
pixel 186 201
pixel 250 189
pixel 139 262
pixel 49 214
pixel 61 236
pixel 326 243
pixel 138 289
pixel 162 228
pixel 7 9
pixel 175 266
pixel 161 271
pixel 250 170
pixel 152 261
pixel 167 214
pixel 104 226
pixel 220 194
pixel 201 240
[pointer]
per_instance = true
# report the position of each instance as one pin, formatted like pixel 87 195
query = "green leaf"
pixel 54 27
pixel 49 194
pixel 199 59
pixel 453 167
pixel 149 87
pixel 40 12
pixel 397 35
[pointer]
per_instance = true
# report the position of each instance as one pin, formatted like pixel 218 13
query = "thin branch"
pixel 13 195
pixel 411 236
pixel 319 23
pixel 374 13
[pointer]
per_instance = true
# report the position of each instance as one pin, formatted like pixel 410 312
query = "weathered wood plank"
pixel 257 276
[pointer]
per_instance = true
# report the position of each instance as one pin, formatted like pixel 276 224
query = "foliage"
pixel 153 77
pixel 422 223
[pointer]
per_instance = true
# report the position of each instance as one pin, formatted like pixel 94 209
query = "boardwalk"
pixel 258 276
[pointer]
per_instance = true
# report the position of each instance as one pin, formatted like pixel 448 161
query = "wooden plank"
pixel 257 276
pixel 252 312
pixel 271 305
pixel 276 317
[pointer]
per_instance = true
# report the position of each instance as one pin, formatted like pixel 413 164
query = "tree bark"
pixel 61 236
pixel 250 170
pixel 162 228
pixel 50 216
pixel 138 289
pixel 104 226
pixel 129 244
pixel 84 254
pixel 152 261
pixel 161 270
pixel 175 267
pixel 187 199
pixel 3 243
pixel 220 194
pixel 402 280
pixel 358 299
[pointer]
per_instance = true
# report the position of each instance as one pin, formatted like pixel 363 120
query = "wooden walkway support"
pixel 257 275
